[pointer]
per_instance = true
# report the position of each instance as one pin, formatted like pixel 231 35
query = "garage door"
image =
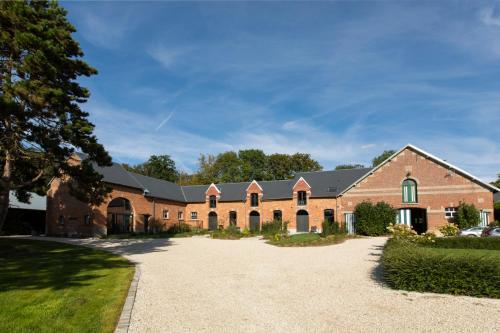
pixel 212 222
pixel 302 221
pixel 254 222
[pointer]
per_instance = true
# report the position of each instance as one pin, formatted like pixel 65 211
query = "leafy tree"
pixel 161 167
pixel 373 220
pixel 382 157
pixel 253 164
pixel 227 168
pixel 496 183
pixel 349 166
pixel 466 216
pixel 279 166
pixel 41 121
pixel 303 163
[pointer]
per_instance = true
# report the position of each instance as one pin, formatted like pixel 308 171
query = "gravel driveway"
pixel 200 284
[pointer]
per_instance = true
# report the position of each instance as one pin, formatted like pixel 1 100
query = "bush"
pixel 274 229
pixel 451 271
pixel 373 220
pixel 230 232
pixel 155 226
pixel 487 243
pixel 179 228
pixel 331 228
pixel 405 234
pixel 466 216
pixel 449 230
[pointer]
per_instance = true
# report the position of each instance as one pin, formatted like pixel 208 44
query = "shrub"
pixel 405 234
pixel 179 228
pixel 230 232
pixel 274 229
pixel 452 271
pixel 155 226
pixel 373 220
pixel 331 228
pixel 487 243
pixel 466 216
pixel 449 230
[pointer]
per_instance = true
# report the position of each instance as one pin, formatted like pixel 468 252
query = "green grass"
pixel 54 287
pixel 308 239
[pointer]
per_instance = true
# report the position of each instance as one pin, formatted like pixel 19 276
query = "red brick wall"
pixel 437 188
pixel 61 203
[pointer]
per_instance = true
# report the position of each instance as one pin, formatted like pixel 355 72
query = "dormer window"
pixel 301 198
pixel 254 199
pixel 409 188
pixel 213 201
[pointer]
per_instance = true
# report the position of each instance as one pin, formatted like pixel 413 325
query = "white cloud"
pixel 488 18
pixel 167 57
pixel 368 146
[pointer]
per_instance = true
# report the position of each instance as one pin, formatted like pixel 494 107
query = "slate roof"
pixel 324 184
pixel 496 197
pixel 37 202
pixel 327 184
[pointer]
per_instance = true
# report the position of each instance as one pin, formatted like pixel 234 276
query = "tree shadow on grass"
pixel 30 265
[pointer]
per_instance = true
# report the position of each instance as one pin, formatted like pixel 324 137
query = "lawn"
pixel 308 239
pixel 55 287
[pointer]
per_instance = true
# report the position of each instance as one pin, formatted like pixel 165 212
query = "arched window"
pixel 213 201
pixel 232 218
pixel 254 199
pixel 409 191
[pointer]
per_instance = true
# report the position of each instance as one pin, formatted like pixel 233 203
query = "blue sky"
pixel 341 81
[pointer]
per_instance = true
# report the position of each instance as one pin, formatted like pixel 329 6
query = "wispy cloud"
pixel 167 57
pixel 487 16
pixel 164 121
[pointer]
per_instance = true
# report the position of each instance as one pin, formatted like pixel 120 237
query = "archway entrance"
pixel 302 221
pixel 212 221
pixel 254 221
pixel 119 217
pixel 414 217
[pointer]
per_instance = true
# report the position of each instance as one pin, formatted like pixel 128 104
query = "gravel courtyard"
pixel 199 284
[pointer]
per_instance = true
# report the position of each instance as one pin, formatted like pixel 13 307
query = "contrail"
pixel 165 121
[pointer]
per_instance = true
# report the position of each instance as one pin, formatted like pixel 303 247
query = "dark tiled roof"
pixel 325 184
pixel 496 197
pixel 157 188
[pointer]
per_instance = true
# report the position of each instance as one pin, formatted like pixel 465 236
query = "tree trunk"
pixel 5 184
pixel 4 206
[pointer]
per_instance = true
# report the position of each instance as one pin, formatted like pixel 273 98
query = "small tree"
pixel 466 216
pixel 373 220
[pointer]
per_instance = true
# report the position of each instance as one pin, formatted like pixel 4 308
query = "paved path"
pixel 204 285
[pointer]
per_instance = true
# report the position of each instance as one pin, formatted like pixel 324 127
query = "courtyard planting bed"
pixel 306 239
pixel 458 266
pixel 55 287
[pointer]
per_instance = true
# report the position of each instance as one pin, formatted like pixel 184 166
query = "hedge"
pixel 451 271
pixel 487 243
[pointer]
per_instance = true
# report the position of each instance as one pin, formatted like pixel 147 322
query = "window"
pixel 277 215
pixel 166 214
pixel 409 191
pixel 87 219
pixel 61 219
pixel 194 215
pixel 328 215
pixel 301 198
pixel 254 199
pixel 485 219
pixel 449 212
pixel 180 215
pixel 213 201
pixel 232 218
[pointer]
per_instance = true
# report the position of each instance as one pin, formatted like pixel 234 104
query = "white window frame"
pixel 180 215
pixel 166 214
pixel 449 212
pixel 194 215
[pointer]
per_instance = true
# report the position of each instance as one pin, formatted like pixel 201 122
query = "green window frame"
pixel 409 191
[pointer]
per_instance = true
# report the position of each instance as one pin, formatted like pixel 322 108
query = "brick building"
pixel 423 188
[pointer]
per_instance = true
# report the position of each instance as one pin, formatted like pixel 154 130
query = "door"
pixel 302 221
pixel 212 221
pixel 254 221
pixel 350 219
